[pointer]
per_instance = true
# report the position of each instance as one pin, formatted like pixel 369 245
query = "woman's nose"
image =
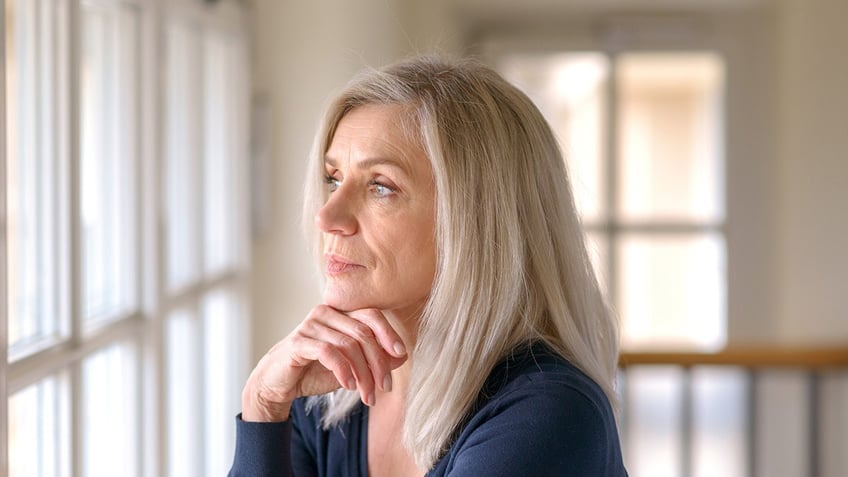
pixel 337 215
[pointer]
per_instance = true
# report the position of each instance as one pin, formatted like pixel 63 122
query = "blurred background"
pixel 151 248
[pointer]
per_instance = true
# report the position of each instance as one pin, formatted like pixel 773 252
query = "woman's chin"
pixel 344 302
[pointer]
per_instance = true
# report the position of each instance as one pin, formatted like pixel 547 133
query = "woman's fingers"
pixel 328 350
pixel 342 354
pixel 310 351
pixel 383 331
pixel 357 341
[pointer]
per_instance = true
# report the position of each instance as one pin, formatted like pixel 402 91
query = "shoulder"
pixel 539 366
pixel 536 384
pixel 544 416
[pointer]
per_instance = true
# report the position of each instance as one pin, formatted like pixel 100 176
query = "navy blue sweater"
pixel 537 415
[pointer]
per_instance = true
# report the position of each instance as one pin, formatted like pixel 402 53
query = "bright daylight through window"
pixel 642 135
pixel 126 257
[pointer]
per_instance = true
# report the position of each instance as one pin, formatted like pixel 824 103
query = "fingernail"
pixel 399 349
pixel 351 384
pixel 371 400
pixel 387 383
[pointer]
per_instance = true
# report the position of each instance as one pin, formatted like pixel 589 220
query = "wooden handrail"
pixel 746 357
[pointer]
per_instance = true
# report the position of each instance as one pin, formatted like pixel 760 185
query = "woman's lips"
pixel 337 265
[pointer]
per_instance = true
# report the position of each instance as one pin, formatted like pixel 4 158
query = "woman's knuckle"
pixel 380 362
pixel 294 341
pixel 347 342
pixel 316 313
pixel 321 309
pixel 362 331
pixel 324 348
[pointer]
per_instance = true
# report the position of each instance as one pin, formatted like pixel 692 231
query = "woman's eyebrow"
pixel 373 161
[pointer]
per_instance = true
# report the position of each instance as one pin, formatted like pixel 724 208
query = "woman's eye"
pixel 332 183
pixel 381 190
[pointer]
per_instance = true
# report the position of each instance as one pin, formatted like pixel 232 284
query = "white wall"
pixel 813 154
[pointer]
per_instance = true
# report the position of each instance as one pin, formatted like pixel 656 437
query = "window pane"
pixel 111 412
pixel 38 430
pixel 223 377
pixel 671 291
pixel 36 171
pixel 182 161
pixel 654 432
pixel 221 152
pixel 670 146
pixel 570 90
pixel 720 422
pixel 184 399
pixel 109 107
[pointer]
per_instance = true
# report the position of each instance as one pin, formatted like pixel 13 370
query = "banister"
pixel 746 357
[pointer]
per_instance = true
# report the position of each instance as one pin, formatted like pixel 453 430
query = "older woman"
pixel 462 331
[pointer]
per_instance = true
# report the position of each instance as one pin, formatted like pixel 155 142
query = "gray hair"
pixel 512 262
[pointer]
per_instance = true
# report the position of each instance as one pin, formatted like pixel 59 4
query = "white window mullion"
pixel 150 261
pixel 77 433
pixel 4 431
pixel 75 273
pixel 64 91
pixel 201 114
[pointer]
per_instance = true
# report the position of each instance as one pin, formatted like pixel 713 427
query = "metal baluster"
pixel 813 416
pixel 686 427
pixel 751 381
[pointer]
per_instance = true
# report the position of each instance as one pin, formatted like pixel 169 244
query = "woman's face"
pixel 378 223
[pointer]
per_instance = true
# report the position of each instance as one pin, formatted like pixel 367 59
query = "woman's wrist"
pixel 254 408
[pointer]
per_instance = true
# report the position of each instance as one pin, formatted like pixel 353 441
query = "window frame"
pixel 612 227
pixel 3 285
pixel 144 326
pixel 190 296
pixel 611 35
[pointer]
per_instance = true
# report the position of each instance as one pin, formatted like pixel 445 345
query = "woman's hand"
pixel 327 351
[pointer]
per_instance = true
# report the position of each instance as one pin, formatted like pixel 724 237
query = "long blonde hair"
pixel 512 263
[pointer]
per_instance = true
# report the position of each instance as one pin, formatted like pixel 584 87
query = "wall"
pixel 813 155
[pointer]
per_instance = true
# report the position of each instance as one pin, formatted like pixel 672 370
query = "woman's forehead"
pixel 375 133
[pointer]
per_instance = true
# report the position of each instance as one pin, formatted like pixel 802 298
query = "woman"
pixel 462 331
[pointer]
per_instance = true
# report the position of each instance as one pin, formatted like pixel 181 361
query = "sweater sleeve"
pixel 543 429
pixel 262 449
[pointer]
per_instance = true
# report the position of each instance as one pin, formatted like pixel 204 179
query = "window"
pixel 125 237
pixel 37 169
pixel 109 160
pixel 204 129
pixel 641 133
